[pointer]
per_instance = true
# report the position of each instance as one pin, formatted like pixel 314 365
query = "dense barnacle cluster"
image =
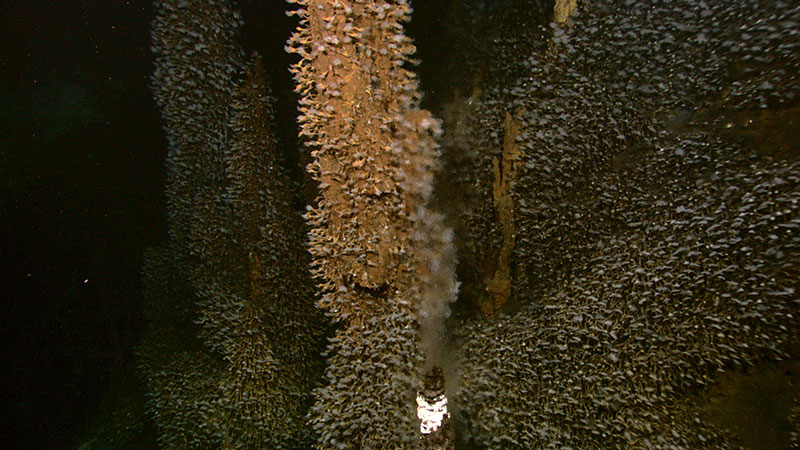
pixel 231 354
pixel 193 87
pixel 373 155
pixel 653 247
pixel 701 277
pixel 589 103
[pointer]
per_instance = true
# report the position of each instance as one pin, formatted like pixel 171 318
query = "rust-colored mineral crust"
pixel 563 9
pixel 505 174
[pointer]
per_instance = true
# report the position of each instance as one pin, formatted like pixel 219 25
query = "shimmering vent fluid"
pixel 431 414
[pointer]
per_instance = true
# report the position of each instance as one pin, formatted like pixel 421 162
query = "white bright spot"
pixel 85 281
pixel 431 415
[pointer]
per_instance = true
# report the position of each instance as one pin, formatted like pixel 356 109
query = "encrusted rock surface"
pixel 655 245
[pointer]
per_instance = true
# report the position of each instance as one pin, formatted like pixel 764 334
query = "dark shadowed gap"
pixel 435 49
pixel 266 30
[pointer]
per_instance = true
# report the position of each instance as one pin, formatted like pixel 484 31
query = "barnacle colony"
pixel 371 232
pixel 232 348
pixel 653 251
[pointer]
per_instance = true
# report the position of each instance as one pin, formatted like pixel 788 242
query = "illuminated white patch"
pixel 431 415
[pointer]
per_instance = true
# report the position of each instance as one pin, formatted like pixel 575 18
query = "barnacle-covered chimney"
pixel 231 352
pixel 373 155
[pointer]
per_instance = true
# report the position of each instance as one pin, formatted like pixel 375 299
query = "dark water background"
pixel 81 158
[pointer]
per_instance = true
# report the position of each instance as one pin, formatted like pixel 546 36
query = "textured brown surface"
pixel 372 145
pixel 373 155
pixel 563 10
